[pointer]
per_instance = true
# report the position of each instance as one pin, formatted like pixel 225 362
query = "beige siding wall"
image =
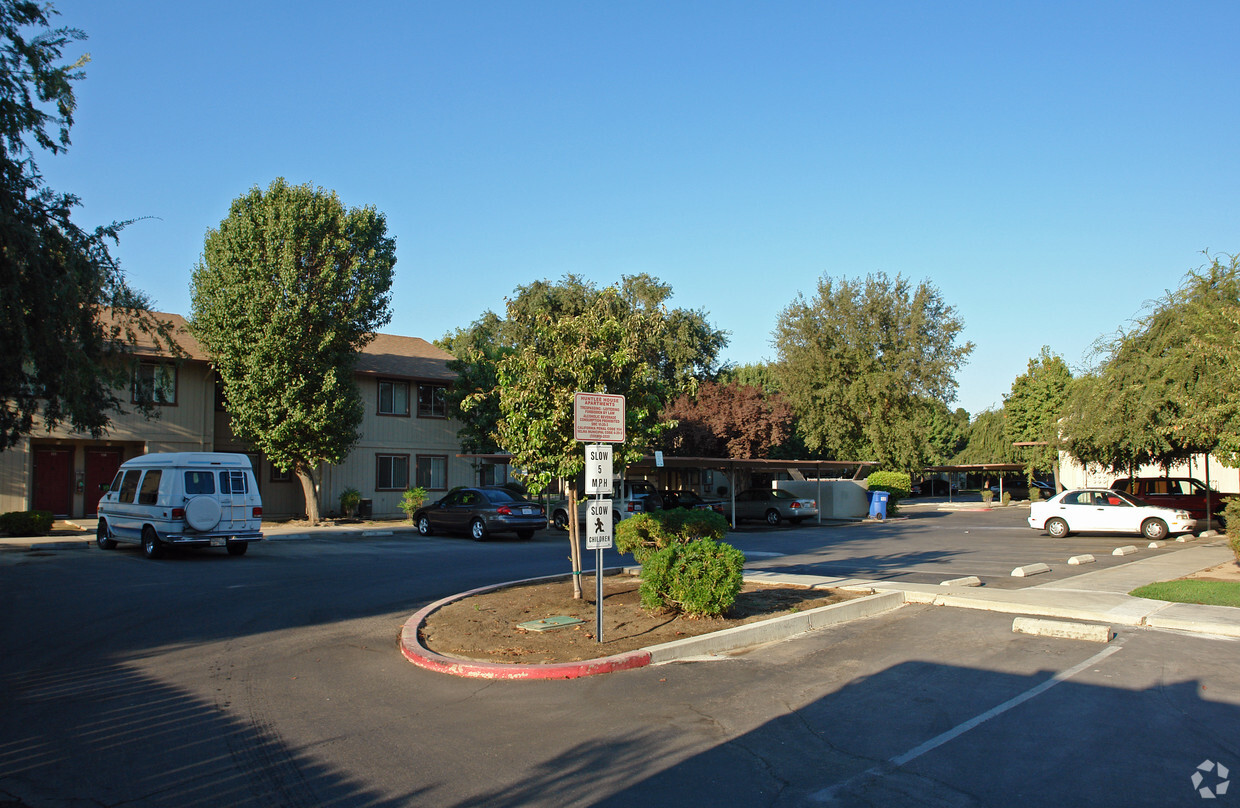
pixel 406 436
pixel 186 426
pixel 1223 479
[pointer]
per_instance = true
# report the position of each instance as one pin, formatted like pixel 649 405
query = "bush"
pixel 684 565
pixel 1231 517
pixel 349 499
pixel 645 533
pixel 896 483
pixel 1007 497
pixel 26 523
pixel 701 578
pixel 987 495
pixel 411 500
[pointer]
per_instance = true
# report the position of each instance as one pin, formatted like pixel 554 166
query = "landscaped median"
pixel 718 642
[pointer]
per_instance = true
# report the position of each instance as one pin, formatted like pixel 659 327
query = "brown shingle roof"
pixel 385 355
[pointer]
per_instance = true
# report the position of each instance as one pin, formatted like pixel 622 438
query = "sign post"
pixel 598 419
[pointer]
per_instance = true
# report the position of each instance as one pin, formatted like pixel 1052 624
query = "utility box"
pixel 365 509
pixel 878 504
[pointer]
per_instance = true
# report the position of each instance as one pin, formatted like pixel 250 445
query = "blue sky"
pixel 1049 167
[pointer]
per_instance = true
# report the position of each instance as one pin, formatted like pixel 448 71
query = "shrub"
pixel 644 533
pixel 349 499
pixel 26 523
pixel 896 483
pixel 1007 497
pixel 987 495
pixel 701 578
pixel 1231 517
pixel 411 500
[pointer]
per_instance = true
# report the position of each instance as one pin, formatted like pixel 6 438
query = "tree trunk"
pixel 308 491
pixel 574 542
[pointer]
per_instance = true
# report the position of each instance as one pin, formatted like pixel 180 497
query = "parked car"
pixel 481 512
pixel 194 499
pixel 773 506
pixel 932 488
pixel 628 497
pixel 1103 510
pixel 690 500
pixel 1184 493
pixel 1022 489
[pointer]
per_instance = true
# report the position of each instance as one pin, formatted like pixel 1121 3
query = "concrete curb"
pixel 1062 630
pixel 719 642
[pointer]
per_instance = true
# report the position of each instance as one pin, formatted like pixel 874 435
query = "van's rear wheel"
pixel 152 547
pixel 102 537
pixel 237 548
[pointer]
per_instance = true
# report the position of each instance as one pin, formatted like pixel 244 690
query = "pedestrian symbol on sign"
pixel 598 532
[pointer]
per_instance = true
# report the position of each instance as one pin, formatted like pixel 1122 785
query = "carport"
pixel 999 468
pixel 732 467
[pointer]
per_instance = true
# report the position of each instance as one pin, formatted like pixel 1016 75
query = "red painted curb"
pixel 413 650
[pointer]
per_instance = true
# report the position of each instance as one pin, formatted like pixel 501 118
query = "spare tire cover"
pixel 202 513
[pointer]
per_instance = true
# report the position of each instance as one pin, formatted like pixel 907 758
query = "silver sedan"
pixel 773 506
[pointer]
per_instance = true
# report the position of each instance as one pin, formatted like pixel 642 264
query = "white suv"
pixel 196 499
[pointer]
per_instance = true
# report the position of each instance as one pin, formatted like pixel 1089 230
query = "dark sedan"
pixel 689 500
pixel 481 512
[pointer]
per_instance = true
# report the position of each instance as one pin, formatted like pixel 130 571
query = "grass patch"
pixel 1208 593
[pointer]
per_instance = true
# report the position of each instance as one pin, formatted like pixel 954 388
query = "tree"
pixel 859 362
pixel 1034 406
pixel 727 420
pixel 290 287
pixel 685 353
pixel 988 441
pixel 763 376
pixel 947 432
pixel 68 318
pixel 1166 388
pixel 605 348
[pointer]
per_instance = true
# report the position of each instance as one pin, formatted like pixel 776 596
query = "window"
pixel 393 473
pixel 233 482
pixel 432 401
pixel 129 486
pixel 393 398
pixel 149 493
pixel 432 472
pixel 279 475
pixel 199 482
pixel 155 383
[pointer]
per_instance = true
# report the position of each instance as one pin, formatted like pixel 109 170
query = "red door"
pixel 101 467
pixel 53 480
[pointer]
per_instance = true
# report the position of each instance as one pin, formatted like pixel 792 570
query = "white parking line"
pixel 829 793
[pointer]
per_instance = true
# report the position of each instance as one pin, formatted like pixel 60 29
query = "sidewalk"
pixel 74 533
pixel 1100 596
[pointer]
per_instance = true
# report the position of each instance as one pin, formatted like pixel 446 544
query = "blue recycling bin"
pixel 878 504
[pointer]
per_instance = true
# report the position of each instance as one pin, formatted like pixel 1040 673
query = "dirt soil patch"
pixel 1228 571
pixel 485 627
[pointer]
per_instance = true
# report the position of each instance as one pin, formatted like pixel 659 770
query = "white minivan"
pixel 197 499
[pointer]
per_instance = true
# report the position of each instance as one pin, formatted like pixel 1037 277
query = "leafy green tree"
pixel 606 347
pixel 988 441
pixel 685 353
pixel 859 361
pixel 68 318
pixel 1034 406
pixel 763 376
pixel 1166 388
pixel 947 432
pixel 290 287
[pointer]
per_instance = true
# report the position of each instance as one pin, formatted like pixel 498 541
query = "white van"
pixel 197 499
